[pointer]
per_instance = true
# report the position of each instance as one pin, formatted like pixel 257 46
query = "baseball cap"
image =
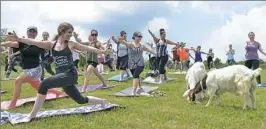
pixel 32 28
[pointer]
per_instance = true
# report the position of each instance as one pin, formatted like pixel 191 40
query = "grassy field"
pixel 170 112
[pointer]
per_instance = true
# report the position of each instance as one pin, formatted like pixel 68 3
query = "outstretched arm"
pixel 171 42
pixel 115 40
pixel 81 47
pixel 154 37
pixel 40 44
pixel 10 44
pixel 262 51
pixel 148 50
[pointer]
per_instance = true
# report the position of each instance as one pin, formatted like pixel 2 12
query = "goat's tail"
pixel 256 72
pixel 253 74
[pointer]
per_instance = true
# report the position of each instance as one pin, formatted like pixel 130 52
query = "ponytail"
pixel 56 37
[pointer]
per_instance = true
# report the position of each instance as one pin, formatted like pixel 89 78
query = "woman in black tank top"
pixel 162 54
pixel 66 75
pixel 30 64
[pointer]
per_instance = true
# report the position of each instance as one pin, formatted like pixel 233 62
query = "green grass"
pixel 170 112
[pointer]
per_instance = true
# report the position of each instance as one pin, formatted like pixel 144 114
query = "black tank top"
pixel 63 60
pixel 30 56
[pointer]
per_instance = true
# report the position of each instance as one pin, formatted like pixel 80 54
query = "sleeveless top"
pixel 30 55
pixel 198 57
pixel 122 50
pixel 63 59
pixel 252 50
pixel 135 57
pixel 230 54
pixel 161 48
pixel 91 55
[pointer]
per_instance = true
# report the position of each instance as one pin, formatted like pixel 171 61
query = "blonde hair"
pixel 62 28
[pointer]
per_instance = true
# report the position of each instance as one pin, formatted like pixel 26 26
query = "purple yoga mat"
pixel 49 96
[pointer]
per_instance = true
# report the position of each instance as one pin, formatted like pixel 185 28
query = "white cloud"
pixel 49 14
pixel 235 32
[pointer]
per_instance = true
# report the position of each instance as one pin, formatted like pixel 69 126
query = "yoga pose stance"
pixel 13 58
pixel 92 59
pixel 252 57
pixel 176 58
pixel 198 53
pixel 31 67
pixel 135 58
pixel 162 54
pixel 210 59
pixel 230 55
pixel 184 56
pixel 108 59
pixel 46 58
pixel 66 75
pixel 122 57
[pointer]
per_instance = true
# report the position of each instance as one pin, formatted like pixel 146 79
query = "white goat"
pixel 194 75
pixel 237 79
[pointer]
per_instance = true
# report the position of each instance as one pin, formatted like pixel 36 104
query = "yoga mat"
pixel 117 78
pixel 177 73
pixel 18 118
pixel 262 85
pixel 49 97
pixel 8 79
pixel 127 92
pixel 104 73
pixel 2 92
pixel 151 80
pixel 95 87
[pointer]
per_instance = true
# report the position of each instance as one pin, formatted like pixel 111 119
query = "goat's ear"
pixel 186 93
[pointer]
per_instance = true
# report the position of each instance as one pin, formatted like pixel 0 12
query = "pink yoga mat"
pixel 49 96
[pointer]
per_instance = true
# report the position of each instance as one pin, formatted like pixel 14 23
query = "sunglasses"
pixel 95 35
pixel 161 33
pixel 139 36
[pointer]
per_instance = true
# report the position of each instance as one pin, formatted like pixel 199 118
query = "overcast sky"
pixel 210 24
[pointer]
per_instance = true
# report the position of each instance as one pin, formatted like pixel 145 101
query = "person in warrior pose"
pixel 92 58
pixel 13 59
pixel 135 58
pixel 108 59
pixel 198 53
pixel 210 59
pixel 252 57
pixel 230 55
pixel 122 57
pixel 46 58
pixel 162 54
pixel 176 59
pixel 66 75
pixel 30 61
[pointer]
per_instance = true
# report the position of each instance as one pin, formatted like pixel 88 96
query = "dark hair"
pixel 162 30
pixel 122 33
pixel 63 27
pixel 10 33
pixel 251 33
pixel 94 31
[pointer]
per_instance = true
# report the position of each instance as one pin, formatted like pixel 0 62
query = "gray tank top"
pixel 63 60
pixel 135 57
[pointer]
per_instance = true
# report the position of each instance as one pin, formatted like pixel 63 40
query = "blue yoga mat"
pixel 262 85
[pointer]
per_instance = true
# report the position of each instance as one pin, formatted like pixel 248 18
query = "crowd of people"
pixel 34 56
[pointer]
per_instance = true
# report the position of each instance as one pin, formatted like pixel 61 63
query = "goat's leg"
pixel 252 97
pixel 211 93
pixel 217 99
pixel 209 102
pixel 245 101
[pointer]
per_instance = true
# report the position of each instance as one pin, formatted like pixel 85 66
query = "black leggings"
pixel 161 62
pixel 137 71
pixel 76 62
pixel 67 81
pixel 46 64
pixel 209 63
pixel 109 64
pixel 122 63
pixel 253 64
pixel 153 64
